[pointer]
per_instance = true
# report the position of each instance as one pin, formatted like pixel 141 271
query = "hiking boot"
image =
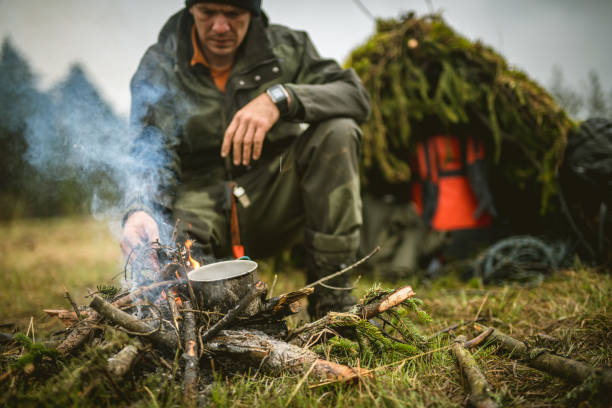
pixel 327 299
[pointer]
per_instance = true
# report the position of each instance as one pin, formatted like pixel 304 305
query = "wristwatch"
pixel 280 97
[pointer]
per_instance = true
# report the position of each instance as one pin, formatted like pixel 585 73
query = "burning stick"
pixel 190 378
pixel 571 370
pixel 117 316
pixel 479 387
pixel 274 356
pixel 120 363
pixel 257 290
pixel 138 293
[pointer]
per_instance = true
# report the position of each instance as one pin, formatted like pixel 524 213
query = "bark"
pixel 190 355
pixel 565 368
pixel 114 315
pixel 480 391
pixel 275 356
pixel 121 363
pixel 257 290
pixel 79 334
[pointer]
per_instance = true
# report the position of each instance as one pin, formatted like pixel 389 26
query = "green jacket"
pixel 180 116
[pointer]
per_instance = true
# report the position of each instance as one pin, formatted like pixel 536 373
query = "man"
pixel 222 96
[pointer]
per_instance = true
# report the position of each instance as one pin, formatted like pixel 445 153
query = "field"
pixel 570 314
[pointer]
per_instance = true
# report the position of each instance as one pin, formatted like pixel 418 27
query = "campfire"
pixel 221 314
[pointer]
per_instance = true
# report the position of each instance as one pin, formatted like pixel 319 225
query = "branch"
pixel 479 387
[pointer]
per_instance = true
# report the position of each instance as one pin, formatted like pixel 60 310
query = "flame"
pixel 163 295
pixel 178 275
pixel 195 264
pixel 178 301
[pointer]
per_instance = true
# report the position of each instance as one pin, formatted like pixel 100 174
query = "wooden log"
pixel 480 391
pixel 121 363
pixel 275 356
pixel 117 316
pixel 565 368
pixel 190 355
pixel 80 333
pixel 256 290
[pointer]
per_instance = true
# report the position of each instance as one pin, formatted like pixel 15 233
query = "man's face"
pixel 221 28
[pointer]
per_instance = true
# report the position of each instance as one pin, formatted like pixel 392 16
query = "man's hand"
pixel 247 130
pixel 140 228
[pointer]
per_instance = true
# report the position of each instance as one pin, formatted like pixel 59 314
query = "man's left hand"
pixel 247 130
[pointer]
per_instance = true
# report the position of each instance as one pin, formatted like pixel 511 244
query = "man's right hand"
pixel 139 228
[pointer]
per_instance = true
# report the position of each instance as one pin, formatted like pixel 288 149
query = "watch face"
pixel 277 94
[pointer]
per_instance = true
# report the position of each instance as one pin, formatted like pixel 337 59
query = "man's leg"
pixel 313 186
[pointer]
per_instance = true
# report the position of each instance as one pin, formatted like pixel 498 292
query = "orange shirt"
pixel 220 76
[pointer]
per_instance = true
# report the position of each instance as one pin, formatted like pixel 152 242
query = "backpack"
pixel 585 187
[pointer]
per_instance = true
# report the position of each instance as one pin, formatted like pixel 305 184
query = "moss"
pixel 420 71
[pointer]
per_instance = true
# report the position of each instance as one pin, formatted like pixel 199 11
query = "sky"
pixel 110 36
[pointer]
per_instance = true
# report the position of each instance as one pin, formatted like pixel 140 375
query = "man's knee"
pixel 338 133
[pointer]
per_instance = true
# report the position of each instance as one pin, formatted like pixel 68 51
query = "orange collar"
pixel 198 56
pixel 220 76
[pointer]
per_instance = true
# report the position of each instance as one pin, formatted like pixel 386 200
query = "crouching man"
pixel 226 103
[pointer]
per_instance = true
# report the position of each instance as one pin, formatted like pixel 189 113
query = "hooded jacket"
pixel 179 116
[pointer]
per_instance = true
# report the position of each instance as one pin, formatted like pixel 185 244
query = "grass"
pixel 573 307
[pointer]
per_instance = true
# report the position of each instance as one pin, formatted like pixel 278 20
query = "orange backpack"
pixel 451 192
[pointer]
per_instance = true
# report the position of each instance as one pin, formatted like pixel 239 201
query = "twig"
pixel 129 322
pixel 257 290
pixel 74 305
pixel 271 291
pixel 453 327
pixel 340 288
pixel 343 271
pixel 190 355
pixel 479 387
pixel 480 308
pixel 478 339
pixel 571 370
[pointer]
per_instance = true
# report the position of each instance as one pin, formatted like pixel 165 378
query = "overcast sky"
pixel 110 36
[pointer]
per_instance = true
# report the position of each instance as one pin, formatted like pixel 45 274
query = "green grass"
pixel 39 257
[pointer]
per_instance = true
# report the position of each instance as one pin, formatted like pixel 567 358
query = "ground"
pixel 572 309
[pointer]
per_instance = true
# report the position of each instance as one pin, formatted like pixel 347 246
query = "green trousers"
pixel 310 191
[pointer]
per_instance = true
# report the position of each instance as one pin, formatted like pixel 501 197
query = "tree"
pixel 596 103
pixel 568 98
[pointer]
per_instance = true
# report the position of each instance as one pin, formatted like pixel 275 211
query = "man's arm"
pixel 155 167
pixel 322 90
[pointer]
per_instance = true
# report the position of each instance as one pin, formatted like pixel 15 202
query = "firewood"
pixel 258 289
pixel 190 355
pixel 275 356
pixel 135 295
pixel 79 334
pixel 121 363
pixel 565 368
pixel 359 311
pixel 117 316
pixel 285 304
pixel 480 390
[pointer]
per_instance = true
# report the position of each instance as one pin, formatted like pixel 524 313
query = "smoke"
pixel 75 136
